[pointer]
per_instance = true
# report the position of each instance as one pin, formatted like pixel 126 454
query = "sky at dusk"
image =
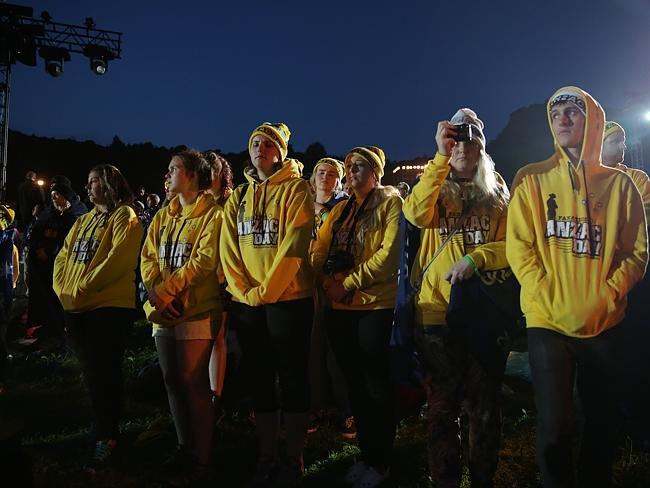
pixel 343 73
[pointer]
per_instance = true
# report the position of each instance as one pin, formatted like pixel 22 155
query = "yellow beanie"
pixel 611 127
pixel 278 133
pixel 335 163
pixel 373 155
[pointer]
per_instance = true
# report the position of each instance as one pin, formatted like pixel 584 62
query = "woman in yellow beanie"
pixel 264 250
pixel 356 257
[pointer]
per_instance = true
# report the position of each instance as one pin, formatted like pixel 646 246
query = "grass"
pixel 47 398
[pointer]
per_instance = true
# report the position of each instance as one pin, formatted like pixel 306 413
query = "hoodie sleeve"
pixel 632 254
pixel 385 262
pixel 642 182
pixel 202 265
pixel 520 238
pixel 149 264
pixel 293 250
pixel 62 258
pixel 126 235
pixel 420 205
pixel 231 259
pixel 492 255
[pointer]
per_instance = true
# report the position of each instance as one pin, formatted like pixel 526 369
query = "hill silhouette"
pixel 526 138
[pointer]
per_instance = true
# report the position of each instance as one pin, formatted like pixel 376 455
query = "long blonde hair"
pixel 488 189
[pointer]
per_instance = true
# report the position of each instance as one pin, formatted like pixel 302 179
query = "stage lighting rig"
pixel 22 35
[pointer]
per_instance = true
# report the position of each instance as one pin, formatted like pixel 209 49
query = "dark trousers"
pixel 43 306
pixel 5 314
pixel 455 382
pixel 98 338
pixel 274 341
pixel 557 363
pixel 360 341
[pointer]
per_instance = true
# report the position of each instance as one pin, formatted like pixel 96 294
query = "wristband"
pixel 471 263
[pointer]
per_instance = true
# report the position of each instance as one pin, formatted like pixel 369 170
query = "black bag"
pixel 484 314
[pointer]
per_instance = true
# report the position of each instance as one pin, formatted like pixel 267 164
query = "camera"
pixel 463 132
pixel 339 261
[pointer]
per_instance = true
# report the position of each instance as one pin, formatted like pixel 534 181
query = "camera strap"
pixel 459 224
pixel 336 226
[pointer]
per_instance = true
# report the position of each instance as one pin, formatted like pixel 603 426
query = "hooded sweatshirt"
pixel 265 243
pixel 180 259
pixel 374 245
pixel 642 183
pixel 96 266
pixel 574 281
pixel 481 238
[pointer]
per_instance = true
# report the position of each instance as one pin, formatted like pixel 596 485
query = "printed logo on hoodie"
pixel 264 231
pixel 571 234
pixel 174 253
pixel 84 250
pixel 476 228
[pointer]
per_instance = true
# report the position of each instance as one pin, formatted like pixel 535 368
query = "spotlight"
pixel 646 116
pixel 54 58
pixel 40 182
pixel 99 58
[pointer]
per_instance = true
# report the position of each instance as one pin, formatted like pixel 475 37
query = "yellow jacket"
pixel 264 245
pixel 96 266
pixel 642 183
pixel 481 238
pixel 570 283
pixel 180 258
pixel 375 247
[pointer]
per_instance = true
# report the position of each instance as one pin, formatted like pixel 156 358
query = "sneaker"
pixel 290 475
pixel 193 475
pixel 355 473
pixel 180 460
pixel 101 456
pixel 372 478
pixel 266 471
pixel 349 428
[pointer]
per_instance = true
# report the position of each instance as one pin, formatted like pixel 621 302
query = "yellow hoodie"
pixel 265 240
pixel 180 259
pixel 570 283
pixel 481 238
pixel 96 266
pixel 642 183
pixel 375 247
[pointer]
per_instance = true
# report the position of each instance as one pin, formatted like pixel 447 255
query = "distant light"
pixel 646 116
pixel 396 169
pixel 40 182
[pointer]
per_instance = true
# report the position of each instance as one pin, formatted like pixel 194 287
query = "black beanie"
pixel 65 191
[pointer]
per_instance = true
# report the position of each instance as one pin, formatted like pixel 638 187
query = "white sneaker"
pixel 372 478
pixel 355 473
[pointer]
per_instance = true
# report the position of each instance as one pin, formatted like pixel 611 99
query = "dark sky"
pixel 344 73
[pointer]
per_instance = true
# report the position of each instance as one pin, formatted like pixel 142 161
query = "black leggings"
pixel 98 338
pixel 557 363
pixel 360 341
pixel 274 341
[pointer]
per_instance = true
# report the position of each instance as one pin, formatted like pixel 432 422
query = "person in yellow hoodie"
pixel 179 271
pixel 94 278
pixel 636 363
pixel 265 257
pixel 577 242
pixel 613 157
pixel 460 204
pixel 356 256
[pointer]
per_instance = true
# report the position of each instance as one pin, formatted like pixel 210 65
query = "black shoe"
pixel 266 471
pixel 102 456
pixel 192 476
pixel 290 475
pixel 180 460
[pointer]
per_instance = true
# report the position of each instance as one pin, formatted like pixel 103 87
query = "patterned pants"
pixel 456 383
